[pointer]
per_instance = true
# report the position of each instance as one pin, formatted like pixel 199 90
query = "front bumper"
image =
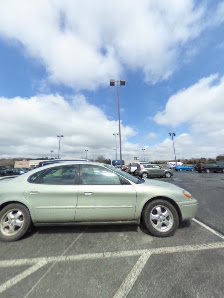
pixel 188 209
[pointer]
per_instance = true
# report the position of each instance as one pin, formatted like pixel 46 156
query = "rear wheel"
pixel 167 174
pixel 180 170
pixel 161 218
pixel 15 222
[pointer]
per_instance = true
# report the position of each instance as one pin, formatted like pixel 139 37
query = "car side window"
pixel 94 175
pixel 34 178
pixel 64 175
pixel 148 166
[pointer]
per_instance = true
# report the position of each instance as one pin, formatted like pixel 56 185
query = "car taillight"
pixel 140 167
pixel 201 167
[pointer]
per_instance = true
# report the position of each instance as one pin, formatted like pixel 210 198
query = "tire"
pixel 15 222
pixel 144 175
pixel 161 218
pixel 168 175
pixel 207 171
pixel 192 170
pixel 181 170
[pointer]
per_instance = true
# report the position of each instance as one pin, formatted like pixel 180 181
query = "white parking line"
pixel 21 276
pixel 126 286
pixel 49 269
pixel 208 228
pixel 129 281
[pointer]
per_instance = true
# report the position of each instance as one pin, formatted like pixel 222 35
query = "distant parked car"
pixel 125 168
pixel 152 170
pixel 214 167
pixel 184 168
pixel 132 167
pixel 19 171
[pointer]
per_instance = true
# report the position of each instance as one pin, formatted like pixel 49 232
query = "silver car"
pixel 152 170
pixel 89 193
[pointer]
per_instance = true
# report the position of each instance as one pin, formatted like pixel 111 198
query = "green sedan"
pixel 90 193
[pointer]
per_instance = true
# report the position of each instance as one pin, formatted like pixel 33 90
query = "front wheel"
pixel 144 175
pixel 161 218
pixel 207 171
pixel 15 222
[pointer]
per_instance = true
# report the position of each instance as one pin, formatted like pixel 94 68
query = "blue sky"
pixel 57 59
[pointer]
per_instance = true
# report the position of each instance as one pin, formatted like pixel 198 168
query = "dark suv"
pixel 210 167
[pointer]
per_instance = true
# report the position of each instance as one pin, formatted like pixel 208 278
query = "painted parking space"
pixel 91 268
pixel 119 261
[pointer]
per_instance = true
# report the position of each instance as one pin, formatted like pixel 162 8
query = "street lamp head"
pixel 112 82
pixel 172 134
pixel 61 136
pixel 122 82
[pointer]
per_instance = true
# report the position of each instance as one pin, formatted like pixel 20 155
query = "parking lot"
pixel 124 261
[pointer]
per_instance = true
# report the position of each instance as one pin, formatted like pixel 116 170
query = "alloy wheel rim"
pixel 161 218
pixel 12 222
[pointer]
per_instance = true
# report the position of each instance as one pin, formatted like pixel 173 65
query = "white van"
pixel 173 164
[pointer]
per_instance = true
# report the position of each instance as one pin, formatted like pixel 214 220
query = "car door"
pixel 53 194
pixel 153 171
pixel 104 196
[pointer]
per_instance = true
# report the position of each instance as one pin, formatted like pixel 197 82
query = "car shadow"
pixel 91 229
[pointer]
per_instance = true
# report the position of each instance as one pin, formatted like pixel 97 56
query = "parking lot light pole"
pixel 172 134
pixel 51 153
pixel 86 153
pixel 143 150
pixel 59 145
pixel 116 134
pixel 122 83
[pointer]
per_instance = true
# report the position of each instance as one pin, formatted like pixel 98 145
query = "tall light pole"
pixel 122 83
pixel 51 153
pixel 86 153
pixel 59 144
pixel 172 134
pixel 143 150
pixel 116 134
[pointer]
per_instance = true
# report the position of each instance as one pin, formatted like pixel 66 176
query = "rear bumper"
pixel 188 209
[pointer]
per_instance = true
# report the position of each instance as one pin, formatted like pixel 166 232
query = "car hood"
pixel 164 186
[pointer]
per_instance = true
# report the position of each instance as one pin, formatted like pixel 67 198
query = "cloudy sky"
pixel 57 59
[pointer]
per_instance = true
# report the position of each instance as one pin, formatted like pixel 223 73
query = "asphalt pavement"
pixel 124 260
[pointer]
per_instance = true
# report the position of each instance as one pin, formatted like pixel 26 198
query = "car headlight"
pixel 187 194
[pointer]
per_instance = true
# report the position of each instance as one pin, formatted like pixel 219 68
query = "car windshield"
pixel 125 174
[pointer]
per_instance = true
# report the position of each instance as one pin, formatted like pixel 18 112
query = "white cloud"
pixel 29 127
pixel 151 136
pixel 83 44
pixel 201 107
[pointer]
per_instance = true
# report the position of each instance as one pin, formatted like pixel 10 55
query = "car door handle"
pixel 88 193
pixel 34 192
